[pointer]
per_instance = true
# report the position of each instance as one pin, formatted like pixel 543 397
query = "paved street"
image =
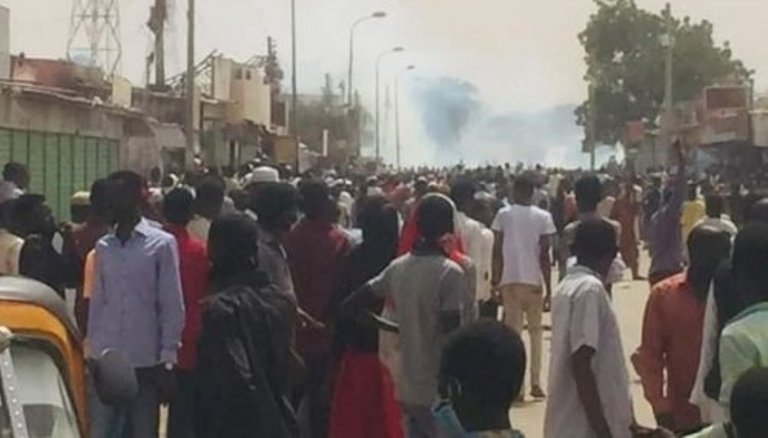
pixel 629 301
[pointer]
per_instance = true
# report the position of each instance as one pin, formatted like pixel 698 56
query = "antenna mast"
pixel 94 34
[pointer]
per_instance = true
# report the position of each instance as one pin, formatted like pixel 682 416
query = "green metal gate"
pixel 59 164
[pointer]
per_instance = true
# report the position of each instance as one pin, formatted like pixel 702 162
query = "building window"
pixel 248 75
pixel 239 73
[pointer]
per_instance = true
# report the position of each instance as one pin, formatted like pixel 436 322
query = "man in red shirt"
pixel 316 248
pixel 178 207
pixel 672 332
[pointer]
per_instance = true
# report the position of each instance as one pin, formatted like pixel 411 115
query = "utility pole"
pixel 158 15
pixel 669 43
pixel 294 97
pixel 189 127
pixel 592 124
pixel 398 145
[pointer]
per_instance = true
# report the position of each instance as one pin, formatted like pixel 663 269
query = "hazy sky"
pixel 523 56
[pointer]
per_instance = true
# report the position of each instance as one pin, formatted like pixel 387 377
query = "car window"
pixel 43 394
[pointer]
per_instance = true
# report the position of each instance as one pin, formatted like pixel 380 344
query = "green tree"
pixel 625 62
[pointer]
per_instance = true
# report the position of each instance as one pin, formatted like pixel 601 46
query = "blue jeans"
pixel 140 420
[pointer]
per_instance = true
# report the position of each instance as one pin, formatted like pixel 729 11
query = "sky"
pixel 522 57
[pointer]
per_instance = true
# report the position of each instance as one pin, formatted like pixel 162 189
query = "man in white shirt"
pixel 470 231
pixel 588 381
pixel 521 257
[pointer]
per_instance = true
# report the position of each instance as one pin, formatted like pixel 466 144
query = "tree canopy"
pixel 625 61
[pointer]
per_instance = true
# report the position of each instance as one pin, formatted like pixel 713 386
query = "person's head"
pixel 378 220
pixel 750 258
pixel 693 191
pixel 749 403
pixel 277 206
pixel 316 202
pixel 79 207
pixel 29 215
pixel 595 245
pixel 463 194
pixel 481 374
pixel 708 247
pixel 16 173
pixel 209 197
pixel 522 189
pixel 715 206
pixel 127 191
pixel 588 193
pixel 420 187
pixel 483 209
pixel 758 212
pixel 434 218
pixel 564 186
pixel 232 246
pixel 241 199
pixel 178 207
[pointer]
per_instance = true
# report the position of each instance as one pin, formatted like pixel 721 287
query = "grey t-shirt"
pixel 422 287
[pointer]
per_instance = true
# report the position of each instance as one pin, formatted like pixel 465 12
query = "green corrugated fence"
pixel 59 164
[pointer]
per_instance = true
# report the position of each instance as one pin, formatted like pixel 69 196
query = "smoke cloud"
pixel 447 105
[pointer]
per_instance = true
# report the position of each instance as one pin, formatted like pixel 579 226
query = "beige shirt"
pixel 10 248
pixel 199 227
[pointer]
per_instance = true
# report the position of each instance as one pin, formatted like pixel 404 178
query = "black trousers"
pixel 181 410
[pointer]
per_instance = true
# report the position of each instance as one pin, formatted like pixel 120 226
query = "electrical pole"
pixel 189 127
pixel 669 42
pixel 294 97
pixel 592 124
pixel 158 15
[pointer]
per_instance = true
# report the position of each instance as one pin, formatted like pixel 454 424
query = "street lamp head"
pixel 398 49
pixel 410 67
pixel 379 14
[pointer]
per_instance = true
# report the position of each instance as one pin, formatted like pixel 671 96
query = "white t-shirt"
pixel 582 316
pixel 522 226
pixel 470 232
pixel 485 266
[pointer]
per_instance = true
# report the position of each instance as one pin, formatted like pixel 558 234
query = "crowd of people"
pixel 393 305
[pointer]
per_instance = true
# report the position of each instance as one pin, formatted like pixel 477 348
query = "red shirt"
pixel 672 332
pixel 193 268
pixel 316 250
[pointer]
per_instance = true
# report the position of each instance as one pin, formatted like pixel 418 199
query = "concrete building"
pixel 5 43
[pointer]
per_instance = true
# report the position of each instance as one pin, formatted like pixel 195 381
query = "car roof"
pixel 25 290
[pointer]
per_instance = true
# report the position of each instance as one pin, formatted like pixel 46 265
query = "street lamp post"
pixel 398 145
pixel 378 122
pixel 379 14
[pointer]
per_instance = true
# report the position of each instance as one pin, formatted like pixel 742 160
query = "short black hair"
pixel 241 198
pixel 462 191
pixel 315 198
pixel 209 193
pixel 133 183
pixel 434 217
pixel 524 185
pixel 749 403
pixel 715 205
pixel 178 206
pixel 274 199
pixel 488 360
pixel 595 239
pixel 588 192
pixel 13 170
pixel 750 255
pixel 99 197
pixel 232 246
